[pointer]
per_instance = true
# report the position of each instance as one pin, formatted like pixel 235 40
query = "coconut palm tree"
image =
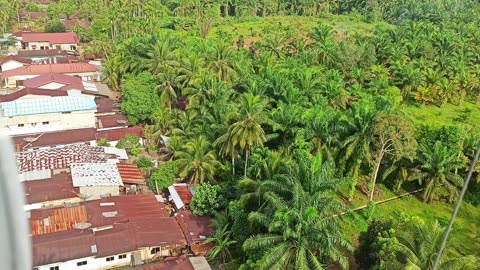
pixel 197 164
pixel 437 171
pixel 421 248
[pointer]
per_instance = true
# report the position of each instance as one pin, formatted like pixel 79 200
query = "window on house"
pixel 73 48
pixel 155 250
pixel 34 47
pixel 110 259
pixel 66 112
pixel 123 256
pixel 55 268
pixel 58 47
pixel 45 123
pixel 81 263
pixel 34 124
pixel 21 125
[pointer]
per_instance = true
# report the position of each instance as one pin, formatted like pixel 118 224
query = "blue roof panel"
pixel 46 105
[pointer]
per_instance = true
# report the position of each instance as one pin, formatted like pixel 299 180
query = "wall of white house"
pixel 28 124
pixel 46 45
pixel 96 192
pixel 11 65
pixel 92 263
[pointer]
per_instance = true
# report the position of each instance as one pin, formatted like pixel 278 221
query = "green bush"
pixel 32 7
pixel 129 142
pixel 135 151
pixel 206 198
pixel 103 142
pixel 144 163
pixel 164 176
pixel 55 26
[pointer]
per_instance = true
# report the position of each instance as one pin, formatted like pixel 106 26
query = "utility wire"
pixel 457 206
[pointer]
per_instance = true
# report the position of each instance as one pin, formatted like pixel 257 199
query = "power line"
pixel 457 206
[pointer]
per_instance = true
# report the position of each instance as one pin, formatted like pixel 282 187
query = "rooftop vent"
pixel 30 139
pixel 107 204
pixel 122 121
pixel 93 248
pixel 110 214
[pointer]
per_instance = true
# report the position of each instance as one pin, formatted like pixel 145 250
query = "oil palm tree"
pixel 222 242
pixel 437 171
pixel 304 232
pixel 421 248
pixel 197 164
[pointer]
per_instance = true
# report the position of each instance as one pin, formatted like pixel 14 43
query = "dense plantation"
pixel 286 115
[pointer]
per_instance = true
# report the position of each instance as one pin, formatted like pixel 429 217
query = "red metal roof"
pixel 118 133
pixel 105 105
pixel 54 138
pixel 57 220
pixel 50 68
pixel 57 187
pixel 69 24
pixel 31 91
pixel 194 226
pixel 181 263
pixel 184 193
pixel 53 38
pixel 70 82
pixel 110 121
pixel 130 173
pixel 141 221
pixel 16 59
pixel 40 53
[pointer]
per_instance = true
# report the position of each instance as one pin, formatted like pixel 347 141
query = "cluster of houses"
pixel 89 206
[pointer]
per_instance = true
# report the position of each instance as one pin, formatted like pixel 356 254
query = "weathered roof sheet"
pixel 41 53
pixel 130 174
pixel 195 228
pixel 118 133
pixel 54 138
pixel 57 220
pixel 111 121
pixel 59 158
pixel 69 82
pixel 53 38
pixel 95 175
pixel 35 106
pixel 50 68
pixel 55 188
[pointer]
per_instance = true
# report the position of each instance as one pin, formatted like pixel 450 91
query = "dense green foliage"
pixel 55 26
pixel 164 176
pixel 205 199
pixel 139 98
pixel 129 142
pixel 103 142
pixel 144 163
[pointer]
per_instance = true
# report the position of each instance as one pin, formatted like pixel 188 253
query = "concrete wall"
pixel 94 193
pixel 92 263
pixel 56 122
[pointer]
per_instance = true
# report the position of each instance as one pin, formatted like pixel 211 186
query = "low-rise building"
pixel 85 71
pixel 56 81
pixel 12 62
pixel 96 180
pixel 36 115
pixel 44 41
pixel 106 233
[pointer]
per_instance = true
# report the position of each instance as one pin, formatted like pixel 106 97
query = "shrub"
pixel 129 142
pixel 144 163
pixel 164 176
pixel 205 200
pixel 135 151
pixel 32 7
pixel 55 26
pixel 103 142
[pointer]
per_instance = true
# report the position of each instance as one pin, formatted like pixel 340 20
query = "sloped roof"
pixel 130 173
pixel 50 68
pixel 31 91
pixel 16 59
pixel 195 228
pixel 70 82
pixel 110 121
pixel 57 220
pixel 55 138
pixel 95 175
pixel 53 38
pixel 56 187
pixel 34 106
pixel 118 133
pixel 41 53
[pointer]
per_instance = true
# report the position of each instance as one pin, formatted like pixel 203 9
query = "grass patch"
pixel 468 114
pixel 465 237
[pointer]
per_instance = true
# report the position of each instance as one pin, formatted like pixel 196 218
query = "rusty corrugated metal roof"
pixel 130 174
pixel 57 220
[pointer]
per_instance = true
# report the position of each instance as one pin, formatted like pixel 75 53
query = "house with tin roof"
pixel 54 113
pixel 12 62
pixel 44 41
pixel 107 233
pixel 85 71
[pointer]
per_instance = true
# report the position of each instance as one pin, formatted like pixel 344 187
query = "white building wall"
pixel 53 122
pixel 11 65
pixel 95 193
pixel 38 45
pixel 52 86
pixel 92 263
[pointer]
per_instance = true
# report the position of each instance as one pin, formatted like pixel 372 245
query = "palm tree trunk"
pixel 374 178
pixel 247 153
pixel 233 165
